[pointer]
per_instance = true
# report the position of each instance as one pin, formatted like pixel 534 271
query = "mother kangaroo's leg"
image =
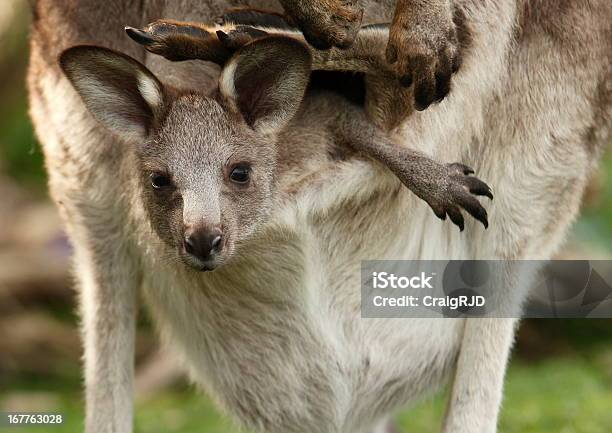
pixel 87 181
pixel 557 105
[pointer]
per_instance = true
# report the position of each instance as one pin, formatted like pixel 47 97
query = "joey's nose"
pixel 203 243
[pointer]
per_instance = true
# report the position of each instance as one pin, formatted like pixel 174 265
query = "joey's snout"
pixel 202 245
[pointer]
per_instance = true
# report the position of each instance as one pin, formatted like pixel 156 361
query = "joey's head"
pixel 206 163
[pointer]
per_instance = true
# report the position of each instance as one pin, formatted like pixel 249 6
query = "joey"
pixel 447 188
pixel 206 162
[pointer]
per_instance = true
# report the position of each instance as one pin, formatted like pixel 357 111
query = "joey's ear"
pixel 120 92
pixel 265 81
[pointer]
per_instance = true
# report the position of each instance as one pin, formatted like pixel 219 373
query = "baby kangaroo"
pixel 445 187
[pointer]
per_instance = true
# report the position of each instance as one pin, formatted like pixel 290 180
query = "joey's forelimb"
pixel 446 188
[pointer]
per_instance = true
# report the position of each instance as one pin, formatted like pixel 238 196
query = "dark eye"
pixel 240 174
pixel 159 181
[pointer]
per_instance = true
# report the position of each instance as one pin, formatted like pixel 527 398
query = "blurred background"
pixel 560 377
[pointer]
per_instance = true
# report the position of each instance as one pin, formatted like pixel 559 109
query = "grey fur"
pixel 274 335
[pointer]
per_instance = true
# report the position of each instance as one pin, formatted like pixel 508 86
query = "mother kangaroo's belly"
pixel 295 363
pixel 277 337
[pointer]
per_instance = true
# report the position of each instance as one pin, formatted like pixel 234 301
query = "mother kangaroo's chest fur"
pixel 277 338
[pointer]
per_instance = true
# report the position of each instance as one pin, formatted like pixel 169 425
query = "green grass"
pixel 20 154
pixel 563 395
pixel 556 396
pixel 595 223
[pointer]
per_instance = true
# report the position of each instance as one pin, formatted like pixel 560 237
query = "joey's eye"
pixel 240 174
pixel 159 181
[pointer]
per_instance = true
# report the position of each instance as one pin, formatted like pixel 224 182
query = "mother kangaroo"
pixel 276 335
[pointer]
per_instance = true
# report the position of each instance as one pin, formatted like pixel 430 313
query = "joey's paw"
pixel 328 23
pixel 461 192
pixel 175 40
pixel 184 41
pixel 423 49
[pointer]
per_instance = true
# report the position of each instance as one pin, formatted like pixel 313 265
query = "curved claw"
pixel 462 168
pixel 478 187
pixel 439 212
pixel 455 215
pixel 474 208
pixel 139 36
